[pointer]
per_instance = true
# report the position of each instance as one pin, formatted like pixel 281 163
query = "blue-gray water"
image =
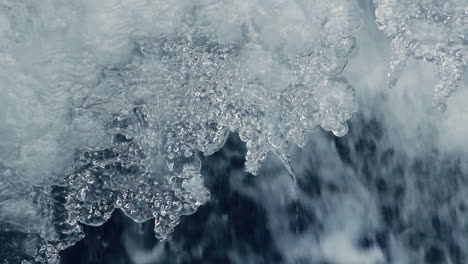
pixel 265 219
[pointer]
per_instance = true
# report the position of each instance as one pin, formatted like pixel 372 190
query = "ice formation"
pixel 107 104
pixel 433 31
pixel 133 97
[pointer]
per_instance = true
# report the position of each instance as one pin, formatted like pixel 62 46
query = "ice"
pixel 110 104
pixel 433 31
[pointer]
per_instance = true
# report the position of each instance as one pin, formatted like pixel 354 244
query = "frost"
pixel 433 31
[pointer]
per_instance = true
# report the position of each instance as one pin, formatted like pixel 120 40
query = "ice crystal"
pixel 108 105
pixel 433 31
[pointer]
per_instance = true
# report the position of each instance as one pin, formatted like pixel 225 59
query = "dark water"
pixel 231 222
pixel 366 198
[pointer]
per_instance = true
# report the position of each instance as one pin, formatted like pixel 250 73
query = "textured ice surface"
pixel 433 31
pixel 111 104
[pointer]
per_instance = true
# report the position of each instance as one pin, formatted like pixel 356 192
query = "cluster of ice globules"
pixel 433 31
pixel 183 94
pixel 178 95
